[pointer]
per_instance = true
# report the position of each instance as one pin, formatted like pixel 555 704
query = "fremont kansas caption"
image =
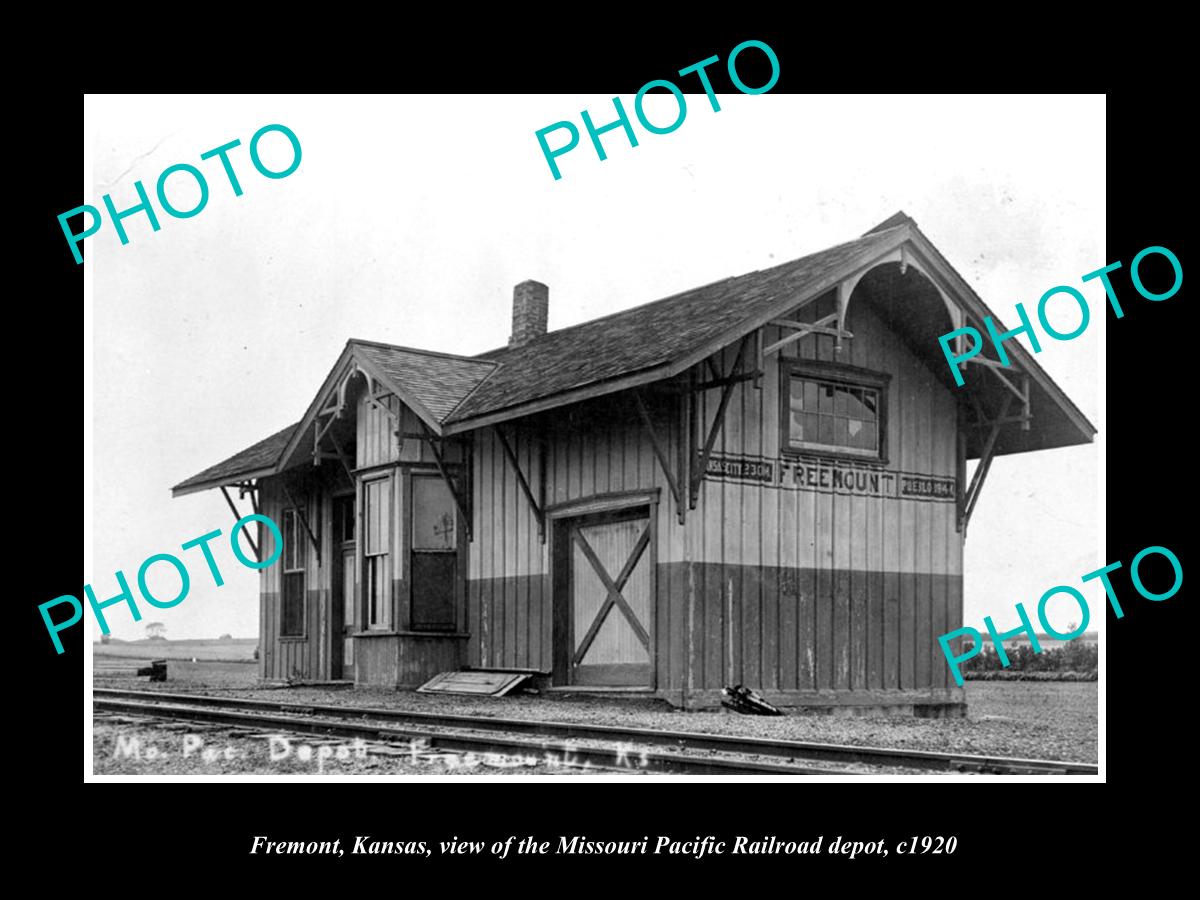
pixel 697 848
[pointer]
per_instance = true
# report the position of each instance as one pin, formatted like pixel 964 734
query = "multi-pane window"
pixel 834 414
pixel 377 541
pixel 434 554
pixel 292 613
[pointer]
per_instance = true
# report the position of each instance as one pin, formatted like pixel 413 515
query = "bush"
pixel 1009 675
pixel 1073 657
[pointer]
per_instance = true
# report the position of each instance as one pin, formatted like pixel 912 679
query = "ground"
pixel 228 649
pixel 1038 720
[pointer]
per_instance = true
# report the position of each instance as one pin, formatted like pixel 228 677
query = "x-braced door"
pixel 611 600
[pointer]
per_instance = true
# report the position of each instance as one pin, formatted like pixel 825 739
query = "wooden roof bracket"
pixel 303 520
pixel 728 382
pixel 319 431
pixel 968 498
pixel 971 496
pixel 538 504
pixel 249 487
pixel 660 453
pixel 995 367
pixel 758 355
pixel 464 505
pixel 825 325
pixel 686 445
pixel 237 517
pixel 335 409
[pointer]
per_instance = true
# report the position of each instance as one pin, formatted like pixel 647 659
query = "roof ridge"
pixel 558 331
pixel 422 351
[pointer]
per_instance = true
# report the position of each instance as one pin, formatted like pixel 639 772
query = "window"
pixel 292 614
pixel 377 542
pixel 434 554
pixel 834 410
pixel 343 519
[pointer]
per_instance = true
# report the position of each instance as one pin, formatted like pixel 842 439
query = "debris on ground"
pixel 743 700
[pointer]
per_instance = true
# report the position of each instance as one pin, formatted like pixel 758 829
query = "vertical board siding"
pixel 767 586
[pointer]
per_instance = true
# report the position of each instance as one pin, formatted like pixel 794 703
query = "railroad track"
pixel 608 746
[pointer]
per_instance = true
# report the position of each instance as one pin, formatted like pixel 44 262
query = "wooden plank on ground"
pixel 494 684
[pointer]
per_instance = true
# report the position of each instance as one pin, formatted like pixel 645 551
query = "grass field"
pixel 234 650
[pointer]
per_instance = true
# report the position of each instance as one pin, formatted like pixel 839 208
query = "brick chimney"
pixel 531 304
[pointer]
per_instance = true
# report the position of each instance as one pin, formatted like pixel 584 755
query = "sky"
pixel 410 218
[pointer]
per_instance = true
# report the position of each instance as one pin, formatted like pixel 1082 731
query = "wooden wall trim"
pixel 603 503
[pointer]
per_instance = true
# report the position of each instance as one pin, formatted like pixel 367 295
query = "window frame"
pixel 840 374
pixel 293 544
pixel 387 605
pixel 454 552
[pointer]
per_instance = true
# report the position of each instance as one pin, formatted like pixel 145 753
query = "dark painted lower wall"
pixel 405 660
pixel 771 628
pixel 510 622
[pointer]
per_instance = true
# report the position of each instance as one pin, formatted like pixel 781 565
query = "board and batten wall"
pixel 782 589
pixel 305 657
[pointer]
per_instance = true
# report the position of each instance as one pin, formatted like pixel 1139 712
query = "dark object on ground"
pixel 743 700
pixel 157 670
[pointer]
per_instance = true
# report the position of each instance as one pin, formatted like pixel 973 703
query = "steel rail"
pixel 681 740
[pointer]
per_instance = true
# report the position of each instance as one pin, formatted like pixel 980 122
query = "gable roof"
pixel 646 337
pixel 657 340
pixel 438 381
pixel 431 384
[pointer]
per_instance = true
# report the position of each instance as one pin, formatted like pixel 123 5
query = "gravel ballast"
pixel 1038 720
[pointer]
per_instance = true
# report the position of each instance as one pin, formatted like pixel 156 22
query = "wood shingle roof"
pixel 643 337
pixel 642 344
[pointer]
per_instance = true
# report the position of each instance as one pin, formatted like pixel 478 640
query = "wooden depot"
pixel 760 482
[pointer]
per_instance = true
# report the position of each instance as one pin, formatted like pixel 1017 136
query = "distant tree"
pixel 225 637
pixel 105 638
pixel 156 631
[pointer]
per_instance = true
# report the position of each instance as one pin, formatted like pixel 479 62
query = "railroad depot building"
pixel 760 481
